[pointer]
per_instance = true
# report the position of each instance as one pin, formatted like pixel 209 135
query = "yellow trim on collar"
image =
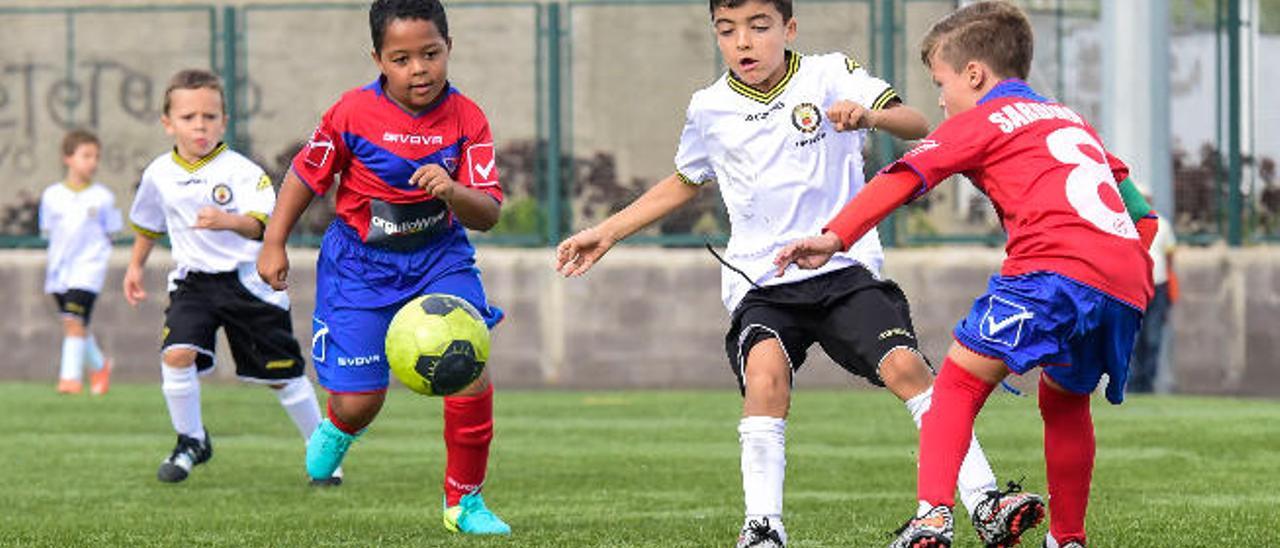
pixel 793 66
pixel 193 167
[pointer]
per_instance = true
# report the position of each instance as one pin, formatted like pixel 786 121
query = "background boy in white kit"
pixel 213 204
pixel 77 216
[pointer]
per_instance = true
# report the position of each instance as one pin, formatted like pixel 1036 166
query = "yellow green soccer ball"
pixel 437 344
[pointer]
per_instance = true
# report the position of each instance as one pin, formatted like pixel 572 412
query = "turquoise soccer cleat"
pixel 325 450
pixel 471 516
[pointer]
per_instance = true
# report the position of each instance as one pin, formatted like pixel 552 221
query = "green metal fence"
pixel 586 99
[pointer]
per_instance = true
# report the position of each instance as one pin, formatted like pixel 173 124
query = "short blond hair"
pixel 994 32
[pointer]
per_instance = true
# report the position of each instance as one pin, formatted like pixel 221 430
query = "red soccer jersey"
pixel 1053 185
pixel 373 145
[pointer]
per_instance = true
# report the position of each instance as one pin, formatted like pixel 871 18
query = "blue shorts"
pixel 360 288
pixel 1045 319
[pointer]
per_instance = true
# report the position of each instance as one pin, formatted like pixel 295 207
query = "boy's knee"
pixel 356 410
pixel 904 369
pixel 73 326
pixel 179 357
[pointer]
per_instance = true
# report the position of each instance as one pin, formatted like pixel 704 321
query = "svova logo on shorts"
pixel 359 361
pixel 1002 322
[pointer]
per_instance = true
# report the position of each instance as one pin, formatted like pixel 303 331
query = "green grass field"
pixel 602 469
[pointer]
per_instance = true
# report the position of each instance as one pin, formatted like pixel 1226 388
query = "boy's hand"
pixel 809 253
pixel 576 255
pixel 133 291
pixel 435 180
pixel 273 266
pixel 848 116
pixel 212 218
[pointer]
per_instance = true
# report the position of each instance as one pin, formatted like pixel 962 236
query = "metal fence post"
pixel 230 77
pixel 886 64
pixel 1235 199
pixel 554 179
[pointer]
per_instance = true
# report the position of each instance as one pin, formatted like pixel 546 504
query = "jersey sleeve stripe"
pixel 686 180
pixel 887 95
pixel 151 234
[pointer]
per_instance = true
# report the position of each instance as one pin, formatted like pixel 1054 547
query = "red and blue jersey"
pixel 372 146
pixel 1052 183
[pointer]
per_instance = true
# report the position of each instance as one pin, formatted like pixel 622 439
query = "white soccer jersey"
pixel 173 191
pixel 78 224
pixel 783 170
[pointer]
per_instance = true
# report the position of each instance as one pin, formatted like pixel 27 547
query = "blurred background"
pixel 586 100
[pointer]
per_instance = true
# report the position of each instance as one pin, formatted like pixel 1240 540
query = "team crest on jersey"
pixel 806 117
pixel 221 194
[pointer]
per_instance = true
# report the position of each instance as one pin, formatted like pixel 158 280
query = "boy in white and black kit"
pixel 213 204
pixel 78 216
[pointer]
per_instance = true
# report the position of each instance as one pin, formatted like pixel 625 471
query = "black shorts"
pixel 260 334
pixel 856 318
pixel 77 303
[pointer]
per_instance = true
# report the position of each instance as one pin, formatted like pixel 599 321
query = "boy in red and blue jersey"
pixel 1069 296
pixel 416 163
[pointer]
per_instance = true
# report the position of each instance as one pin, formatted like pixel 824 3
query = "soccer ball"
pixel 437 344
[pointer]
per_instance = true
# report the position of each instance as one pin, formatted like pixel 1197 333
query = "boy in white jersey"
pixel 782 134
pixel 77 216
pixel 213 204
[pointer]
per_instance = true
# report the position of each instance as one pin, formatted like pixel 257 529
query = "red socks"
pixel 946 430
pixel 468 427
pixel 1068 458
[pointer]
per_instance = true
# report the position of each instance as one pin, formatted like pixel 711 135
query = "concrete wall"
pixel 652 318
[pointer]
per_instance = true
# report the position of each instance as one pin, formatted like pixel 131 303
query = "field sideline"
pixel 615 469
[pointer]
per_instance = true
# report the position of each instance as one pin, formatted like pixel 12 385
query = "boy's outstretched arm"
pixel 898 119
pixel 273 261
pixel 133 290
pixel 577 254
pixel 871 205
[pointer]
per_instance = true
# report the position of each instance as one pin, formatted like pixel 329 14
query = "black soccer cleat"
pixel 760 534
pixel 188 453
pixel 935 529
pixel 1004 516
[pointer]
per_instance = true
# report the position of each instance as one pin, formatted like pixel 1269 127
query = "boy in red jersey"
pixel 416 163
pixel 1071 292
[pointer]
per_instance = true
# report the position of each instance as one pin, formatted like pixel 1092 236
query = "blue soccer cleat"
pixel 471 516
pixel 325 450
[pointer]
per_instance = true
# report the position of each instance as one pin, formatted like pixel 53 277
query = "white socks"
pixel 764 464
pixel 181 390
pixel 298 398
pixel 92 354
pixel 72 358
pixel 975 477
